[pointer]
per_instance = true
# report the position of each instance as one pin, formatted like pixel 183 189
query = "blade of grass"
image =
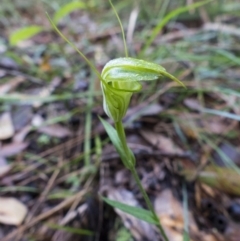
pixel 163 9
pixel 24 33
pixel 228 162
pixel 121 26
pixel 30 99
pixel 165 20
pixel 228 55
pixel 69 229
pixel 74 47
pixel 88 125
pixel 19 189
pixel 221 113
pixel 67 9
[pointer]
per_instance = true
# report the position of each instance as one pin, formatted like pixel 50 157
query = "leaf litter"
pixel 42 121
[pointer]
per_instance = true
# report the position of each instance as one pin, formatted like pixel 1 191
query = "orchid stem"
pixel 122 136
pixel 121 133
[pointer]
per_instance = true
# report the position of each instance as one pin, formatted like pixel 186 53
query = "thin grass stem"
pixel 122 30
pixel 74 47
pixel 88 125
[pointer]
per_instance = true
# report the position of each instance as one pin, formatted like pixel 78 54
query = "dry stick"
pixel 77 200
pixel 64 146
pixel 48 170
pixel 43 216
pixel 43 194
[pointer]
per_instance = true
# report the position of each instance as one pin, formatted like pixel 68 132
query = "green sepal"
pixel 121 77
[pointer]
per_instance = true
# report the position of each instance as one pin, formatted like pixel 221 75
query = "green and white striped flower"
pixel 121 78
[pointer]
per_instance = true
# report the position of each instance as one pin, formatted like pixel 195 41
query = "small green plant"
pixel 120 79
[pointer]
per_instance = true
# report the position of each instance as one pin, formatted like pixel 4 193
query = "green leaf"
pixel 235 59
pixel 24 33
pixel 112 133
pixel 137 212
pixel 67 9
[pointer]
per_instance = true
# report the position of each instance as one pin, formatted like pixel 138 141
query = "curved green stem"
pixel 122 137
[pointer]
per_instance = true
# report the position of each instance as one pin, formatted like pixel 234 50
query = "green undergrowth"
pixel 207 62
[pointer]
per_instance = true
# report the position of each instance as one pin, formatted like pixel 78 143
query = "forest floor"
pixel 56 160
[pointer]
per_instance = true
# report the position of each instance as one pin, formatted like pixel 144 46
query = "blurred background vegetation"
pixel 54 154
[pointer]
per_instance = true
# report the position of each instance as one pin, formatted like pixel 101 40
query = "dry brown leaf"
pixel 195 124
pixel 12 149
pixel 12 211
pixel 152 109
pixel 20 136
pixel 6 126
pixel 55 130
pixel 21 116
pixel 218 125
pixel 170 212
pixel 142 110
pixel 163 143
pixel 215 126
pixel 192 104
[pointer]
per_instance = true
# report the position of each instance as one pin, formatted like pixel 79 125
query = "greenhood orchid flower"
pixel 121 78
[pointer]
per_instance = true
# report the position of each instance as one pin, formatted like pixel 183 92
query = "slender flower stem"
pixel 122 137
pixel 149 204
pixel 121 134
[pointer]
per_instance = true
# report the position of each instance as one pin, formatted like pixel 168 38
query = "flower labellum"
pixel 120 79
